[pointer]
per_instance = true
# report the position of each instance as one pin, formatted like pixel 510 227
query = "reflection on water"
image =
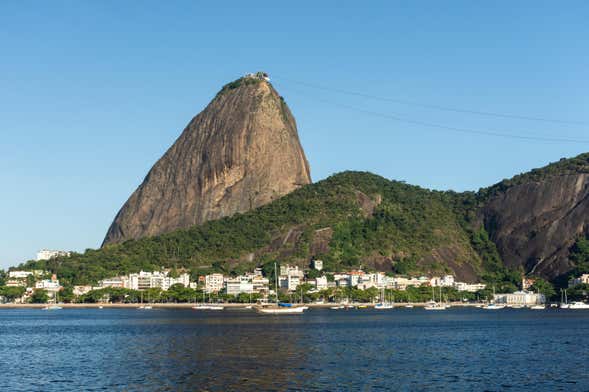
pixel 125 349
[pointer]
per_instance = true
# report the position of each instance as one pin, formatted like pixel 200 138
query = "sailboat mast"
pixel 276 282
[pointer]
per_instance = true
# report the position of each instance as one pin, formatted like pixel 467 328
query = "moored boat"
pixel 52 307
pixel 434 306
pixel 279 310
pixel 578 305
pixel 493 306
pixel 538 307
pixel 208 307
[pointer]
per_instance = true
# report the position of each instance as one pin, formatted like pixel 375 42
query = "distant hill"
pixel 350 219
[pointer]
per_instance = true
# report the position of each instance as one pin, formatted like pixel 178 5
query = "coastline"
pixel 190 305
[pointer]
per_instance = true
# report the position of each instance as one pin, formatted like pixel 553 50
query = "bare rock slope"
pixel 241 152
pixel 536 217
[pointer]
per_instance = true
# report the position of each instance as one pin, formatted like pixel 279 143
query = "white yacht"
pixel 538 307
pixel 578 305
pixel 208 307
pixel 493 306
pixel 52 307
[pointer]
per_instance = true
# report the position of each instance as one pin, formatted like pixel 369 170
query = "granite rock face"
pixel 241 152
pixel 535 223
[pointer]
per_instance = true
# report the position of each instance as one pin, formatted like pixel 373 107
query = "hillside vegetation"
pixel 369 221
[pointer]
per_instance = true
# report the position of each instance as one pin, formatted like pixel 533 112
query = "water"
pixel 402 349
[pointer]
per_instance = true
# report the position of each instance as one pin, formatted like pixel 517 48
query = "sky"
pixel 93 93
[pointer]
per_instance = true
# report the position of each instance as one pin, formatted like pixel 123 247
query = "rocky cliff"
pixel 535 218
pixel 241 152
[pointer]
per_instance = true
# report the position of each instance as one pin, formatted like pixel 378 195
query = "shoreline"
pixel 190 305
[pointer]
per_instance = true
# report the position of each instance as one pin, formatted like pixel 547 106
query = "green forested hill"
pixel 350 219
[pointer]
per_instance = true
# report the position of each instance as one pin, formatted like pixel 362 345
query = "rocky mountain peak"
pixel 241 152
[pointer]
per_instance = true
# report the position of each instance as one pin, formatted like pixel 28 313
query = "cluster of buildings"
pixel 291 277
pixel 248 283
pixel 34 280
pixel 142 280
pixel 47 254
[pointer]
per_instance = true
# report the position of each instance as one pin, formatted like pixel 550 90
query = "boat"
pixel 493 306
pixel 209 307
pixel 280 308
pixel 100 307
pixel 52 307
pixel 516 306
pixel 564 304
pixel 383 304
pixel 409 305
pixel 337 307
pixel 433 305
pixel 578 305
pixel 538 307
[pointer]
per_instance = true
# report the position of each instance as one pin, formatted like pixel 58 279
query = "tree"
pixel 39 297
pixel 2 277
pixel 313 274
pixel 180 293
pixel 11 293
pixel 543 287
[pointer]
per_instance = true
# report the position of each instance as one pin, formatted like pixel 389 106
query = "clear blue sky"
pixel 93 92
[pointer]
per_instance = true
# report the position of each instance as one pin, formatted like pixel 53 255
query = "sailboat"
pixel 538 305
pixel 277 309
pixel 53 306
pixel 208 305
pixel 409 305
pixel 383 304
pixel 564 304
pixel 492 305
pixel 433 305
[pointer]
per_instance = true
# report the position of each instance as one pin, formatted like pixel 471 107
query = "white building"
pixel 214 283
pixel 444 281
pixel 16 283
pixel 120 281
pixel 289 282
pixel 50 285
pixel 19 274
pixel 470 287
pixel 321 283
pixel 46 254
pixel 520 298
pixel 290 277
pixel 260 284
pixel 583 279
pixel 318 265
pixel 161 280
pixel 239 285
